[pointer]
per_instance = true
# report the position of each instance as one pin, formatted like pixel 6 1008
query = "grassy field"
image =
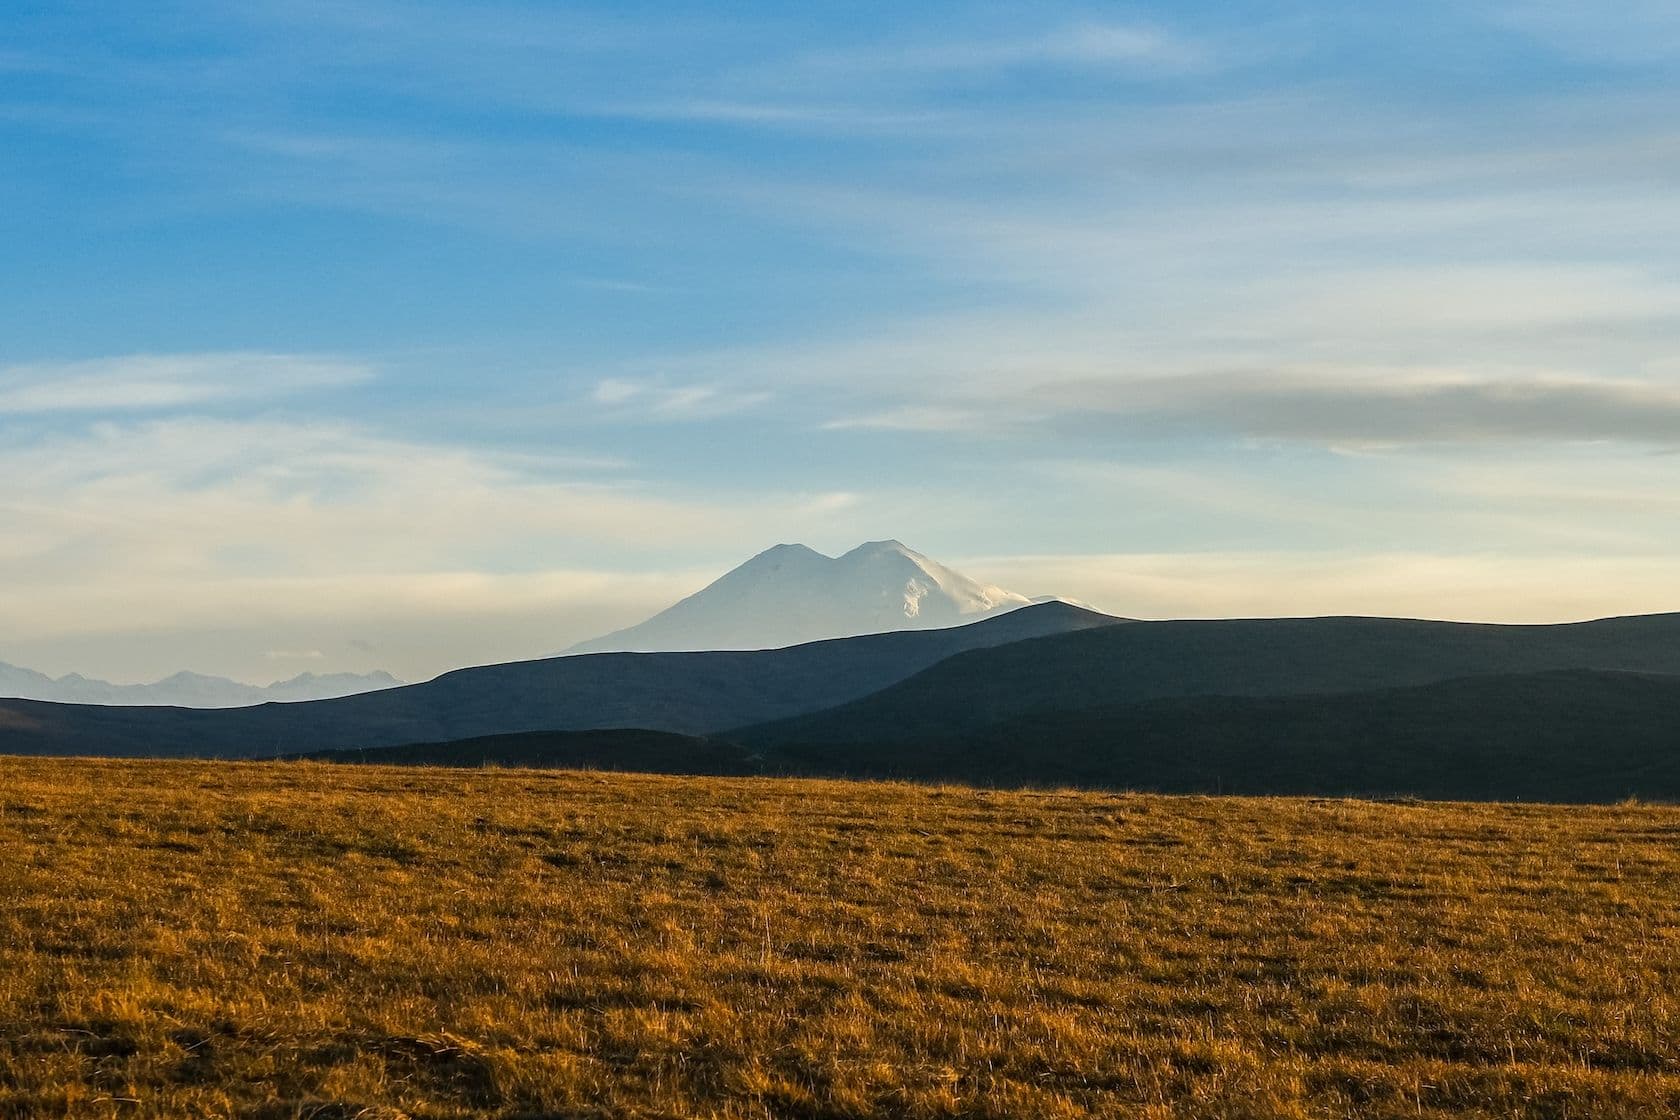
pixel 302 940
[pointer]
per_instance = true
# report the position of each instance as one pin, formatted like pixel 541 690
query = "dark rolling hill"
pixel 1565 736
pixel 1120 665
pixel 688 693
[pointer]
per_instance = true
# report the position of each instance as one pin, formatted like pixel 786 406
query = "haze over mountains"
pixel 690 693
pixel 186 690
pixel 1018 693
pixel 791 594
pixel 784 596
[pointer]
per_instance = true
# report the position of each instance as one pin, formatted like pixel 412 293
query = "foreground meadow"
pixel 303 940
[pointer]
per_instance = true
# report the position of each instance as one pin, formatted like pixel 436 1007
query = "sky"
pixel 353 334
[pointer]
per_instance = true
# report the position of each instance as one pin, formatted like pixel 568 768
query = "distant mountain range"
pixel 186 690
pixel 787 595
pixel 1326 706
pixel 792 594
pixel 688 693
pixel 1020 694
pixel 1567 736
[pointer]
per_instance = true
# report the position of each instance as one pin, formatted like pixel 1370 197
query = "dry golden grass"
pixel 297 940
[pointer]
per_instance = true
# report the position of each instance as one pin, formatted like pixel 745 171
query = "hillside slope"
pixel 1243 657
pixel 1561 736
pixel 1564 736
pixel 689 693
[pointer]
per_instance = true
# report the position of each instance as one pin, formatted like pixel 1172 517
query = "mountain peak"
pixel 791 594
pixel 184 689
pixel 878 548
pixel 785 553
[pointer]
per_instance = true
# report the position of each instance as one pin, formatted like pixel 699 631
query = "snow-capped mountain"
pixel 186 690
pixel 791 594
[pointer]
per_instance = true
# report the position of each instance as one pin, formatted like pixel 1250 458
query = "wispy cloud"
pixel 1636 31
pixel 935 418
pixel 1079 44
pixel 158 382
pixel 1402 410
pixel 793 116
pixel 665 403
pixel 287 530
pixel 1368 410
pixel 1134 47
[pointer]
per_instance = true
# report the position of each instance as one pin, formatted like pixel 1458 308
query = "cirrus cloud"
pixel 1406 409
pixel 157 382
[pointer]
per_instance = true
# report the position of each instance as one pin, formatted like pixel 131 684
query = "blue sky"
pixel 349 334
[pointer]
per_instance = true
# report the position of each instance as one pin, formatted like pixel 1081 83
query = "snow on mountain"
pixel 186 690
pixel 792 594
